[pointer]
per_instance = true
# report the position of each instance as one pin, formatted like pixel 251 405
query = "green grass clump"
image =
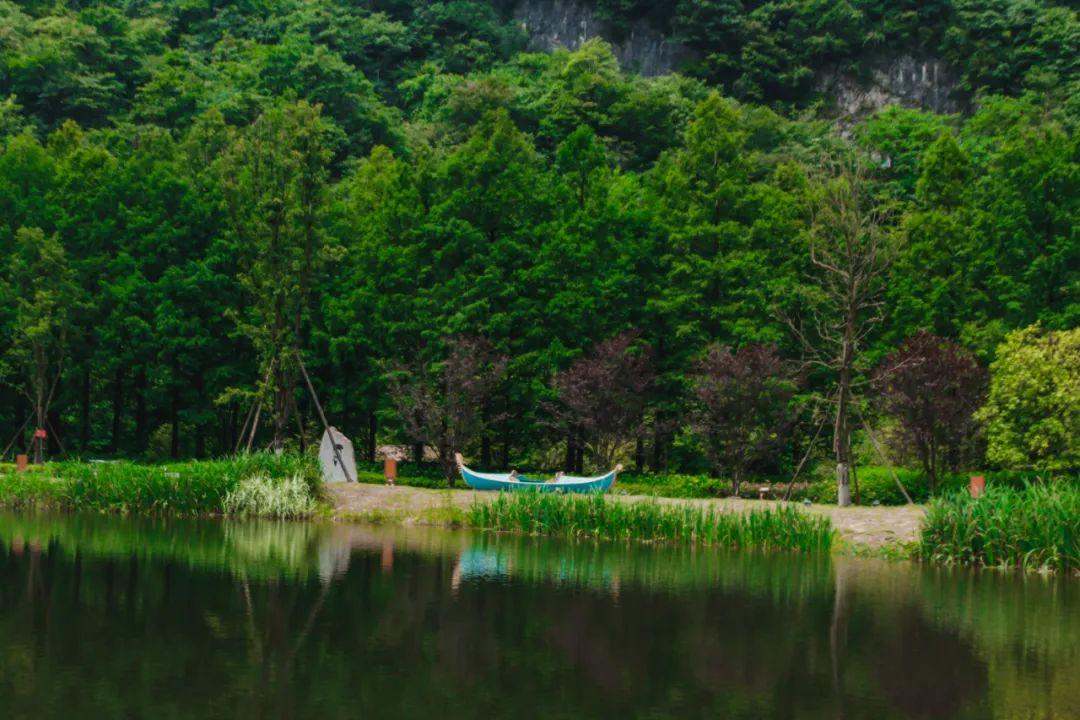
pixel 260 495
pixel 594 516
pixel 1036 528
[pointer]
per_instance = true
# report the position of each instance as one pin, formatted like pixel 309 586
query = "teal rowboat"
pixel 560 484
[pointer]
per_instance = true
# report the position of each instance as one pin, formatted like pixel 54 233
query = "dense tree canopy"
pixel 229 183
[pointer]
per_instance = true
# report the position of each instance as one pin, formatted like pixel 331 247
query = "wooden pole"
pixel 881 454
pixel 56 436
pixel 16 435
pixel 244 428
pixel 805 457
pixel 855 483
pixel 299 426
pixel 52 388
pixel 322 416
pixel 254 426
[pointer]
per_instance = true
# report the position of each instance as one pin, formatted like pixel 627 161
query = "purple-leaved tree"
pixel 932 387
pixel 441 404
pixel 602 396
pixel 741 411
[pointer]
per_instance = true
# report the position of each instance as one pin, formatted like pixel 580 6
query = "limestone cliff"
pixel 553 24
pixel 903 80
pixel 899 79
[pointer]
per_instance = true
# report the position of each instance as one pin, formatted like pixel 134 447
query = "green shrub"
pixel 595 516
pixel 1036 528
pixel 1033 410
pixel 265 496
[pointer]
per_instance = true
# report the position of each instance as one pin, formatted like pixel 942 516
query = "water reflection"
pixel 103 616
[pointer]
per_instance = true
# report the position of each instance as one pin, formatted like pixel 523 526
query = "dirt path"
pixel 864 526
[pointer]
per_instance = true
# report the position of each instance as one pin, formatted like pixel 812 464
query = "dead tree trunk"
pixel 849 261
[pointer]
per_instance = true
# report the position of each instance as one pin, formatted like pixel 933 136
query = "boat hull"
pixel 490 482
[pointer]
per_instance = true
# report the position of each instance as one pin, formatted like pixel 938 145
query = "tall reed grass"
pixel 182 488
pixel 595 516
pixel 1036 528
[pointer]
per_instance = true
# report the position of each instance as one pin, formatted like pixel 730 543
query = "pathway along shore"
pixel 871 527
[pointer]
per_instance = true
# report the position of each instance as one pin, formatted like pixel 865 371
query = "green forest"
pixel 539 259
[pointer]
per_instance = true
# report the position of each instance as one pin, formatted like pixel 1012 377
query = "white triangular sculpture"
pixel 332 470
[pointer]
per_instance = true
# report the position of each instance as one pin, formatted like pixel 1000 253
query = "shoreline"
pixel 875 531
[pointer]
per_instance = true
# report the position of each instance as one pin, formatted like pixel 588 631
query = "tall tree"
pixel 441 403
pixel 273 179
pixel 849 259
pixel 41 290
pixel 741 414
pixel 602 396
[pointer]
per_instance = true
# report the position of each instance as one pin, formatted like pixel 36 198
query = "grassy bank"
pixel 595 516
pixel 252 484
pixel 876 484
pixel 1035 528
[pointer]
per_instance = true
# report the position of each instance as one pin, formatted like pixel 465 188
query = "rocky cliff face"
pixel 904 80
pixel 890 80
pixel 567 24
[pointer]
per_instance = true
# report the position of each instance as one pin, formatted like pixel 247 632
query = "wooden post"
pixel 881 454
pixel 21 461
pixel 244 428
pixel 16 436
pixel 56 437
pixel 390 470
pixel 254 426
pixel 805 457
pixel 322 416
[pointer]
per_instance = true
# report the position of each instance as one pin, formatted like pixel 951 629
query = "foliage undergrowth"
pixel 594 516
pixel 1036 528
pixel 876 484
pixel 424 475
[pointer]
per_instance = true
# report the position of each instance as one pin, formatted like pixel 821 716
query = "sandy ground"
pixel 861 526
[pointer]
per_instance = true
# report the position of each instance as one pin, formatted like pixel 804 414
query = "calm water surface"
pixel 121 618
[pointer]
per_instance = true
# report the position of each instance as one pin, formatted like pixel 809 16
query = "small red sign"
pixel 40 433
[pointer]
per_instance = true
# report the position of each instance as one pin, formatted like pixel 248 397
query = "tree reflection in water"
pixel 106 617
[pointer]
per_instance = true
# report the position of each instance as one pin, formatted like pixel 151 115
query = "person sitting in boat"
pixel 557 478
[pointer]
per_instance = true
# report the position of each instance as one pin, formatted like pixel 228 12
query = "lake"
pixel 133 618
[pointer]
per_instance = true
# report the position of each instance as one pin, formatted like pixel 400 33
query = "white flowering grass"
pixel 264 496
